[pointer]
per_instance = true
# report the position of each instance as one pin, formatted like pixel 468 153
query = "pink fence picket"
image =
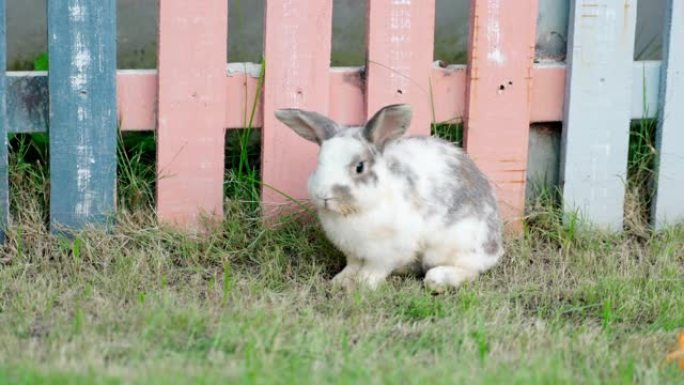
pixel 297 50
pixel 400 56
pixel 499 96
pixel 192 100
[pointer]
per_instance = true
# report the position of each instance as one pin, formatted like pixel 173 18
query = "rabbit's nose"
pixel 322 198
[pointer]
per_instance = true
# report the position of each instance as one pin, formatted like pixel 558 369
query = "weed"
pixel 41 62
pixel 136 170
pixel 452 132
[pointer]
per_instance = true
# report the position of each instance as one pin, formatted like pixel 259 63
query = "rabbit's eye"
pixel 359 167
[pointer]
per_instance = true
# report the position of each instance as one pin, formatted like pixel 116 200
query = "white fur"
pixel 387 227
pixel 388 232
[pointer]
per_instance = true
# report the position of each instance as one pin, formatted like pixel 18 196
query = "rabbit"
pixel 392 204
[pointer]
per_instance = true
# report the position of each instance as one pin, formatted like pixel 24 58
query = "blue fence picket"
pixel 668 205
pixel 597 116
pixel 83 119
pixel 4 187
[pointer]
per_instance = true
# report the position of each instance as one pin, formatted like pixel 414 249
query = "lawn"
pixel 248 304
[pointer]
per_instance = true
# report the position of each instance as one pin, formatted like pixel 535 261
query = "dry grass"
pixel 245 304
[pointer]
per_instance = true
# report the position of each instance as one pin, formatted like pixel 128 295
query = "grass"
pixel 248 304
pixel 243 303
pixel 452 132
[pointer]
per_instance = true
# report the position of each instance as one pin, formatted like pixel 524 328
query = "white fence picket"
pixel 597 110
pixel 668 206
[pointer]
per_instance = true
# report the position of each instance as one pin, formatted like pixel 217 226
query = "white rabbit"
pixel 392 204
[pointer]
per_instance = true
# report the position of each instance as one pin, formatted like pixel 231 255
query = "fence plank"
pixel 448 93
pixel 668 207
pixel 27 100
pixel 297 49
pixel 400 55
pixel 241 85
pixel 597 116
pixel 347 85
pixel 499 96
pixel 4 186
pixel 192 99
pixel 83 127
pixel 548 92
pixel 136 95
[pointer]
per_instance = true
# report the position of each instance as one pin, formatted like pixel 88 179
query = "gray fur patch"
pixel 410 192
pixel 468 194
pixel 402 171
pixel 342 193
pixel 492 245
pixel 368 176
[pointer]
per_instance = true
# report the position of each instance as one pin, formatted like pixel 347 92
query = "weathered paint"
pixel 297 47
pixel 83 129
pixel 4 186
pixel 28 102
pixel 668 206
pixel 192 99
pixel 400 55
pixel 499 97
pixel 596 133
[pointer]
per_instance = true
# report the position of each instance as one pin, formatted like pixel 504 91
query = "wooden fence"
pixel 194 96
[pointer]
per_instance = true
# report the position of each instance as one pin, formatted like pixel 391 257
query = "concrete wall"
pixel 137 20
pixel 137 32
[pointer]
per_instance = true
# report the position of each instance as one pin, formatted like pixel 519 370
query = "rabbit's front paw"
pixel 346 278
pixel 441 278
pixel 372 278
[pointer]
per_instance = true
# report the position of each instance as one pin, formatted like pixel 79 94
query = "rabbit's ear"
pixel 388 124
pixel 308 124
